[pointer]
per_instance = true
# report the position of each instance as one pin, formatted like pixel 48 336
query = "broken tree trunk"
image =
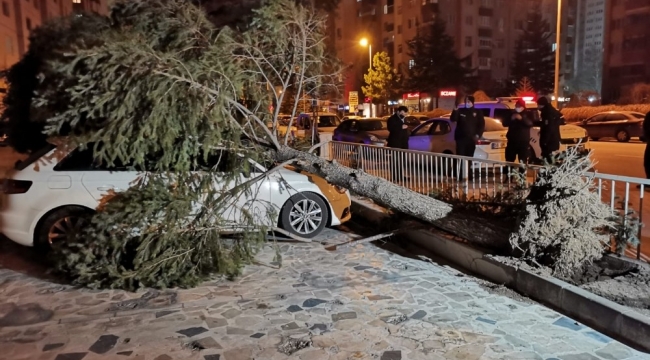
pixel 478 230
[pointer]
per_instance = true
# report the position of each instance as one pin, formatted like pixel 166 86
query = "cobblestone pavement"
pixel 358 302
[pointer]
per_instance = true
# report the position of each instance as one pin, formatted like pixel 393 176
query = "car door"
pixel 420 139
pixel 594 125
pixel 341 131
pixel 97 178
pixel 442 138
pixel 615 121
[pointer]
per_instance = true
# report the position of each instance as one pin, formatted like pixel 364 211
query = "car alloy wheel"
pixel 306 216
pixel 65 227
pixel 622 136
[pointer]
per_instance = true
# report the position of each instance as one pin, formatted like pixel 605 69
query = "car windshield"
pixel 638 115
pixel 328 121
pixel 371 125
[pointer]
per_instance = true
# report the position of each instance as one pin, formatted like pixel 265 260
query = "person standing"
pixel 549 134
pixel 398 137
pixel 470 125
pixel 518 135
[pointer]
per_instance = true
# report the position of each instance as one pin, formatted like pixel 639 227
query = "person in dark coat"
pixel 549 134
pixel 518 135
pixel 646 154
pixel 398 137
pixel 470 126
pixel 398 134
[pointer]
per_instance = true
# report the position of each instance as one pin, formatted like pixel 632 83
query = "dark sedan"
pixel 373 131
pixel 620 125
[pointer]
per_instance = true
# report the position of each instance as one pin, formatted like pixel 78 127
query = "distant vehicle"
pixel 353 117
pixel 371 131
pixel 620 125
pixel 503 108
pixel 437 135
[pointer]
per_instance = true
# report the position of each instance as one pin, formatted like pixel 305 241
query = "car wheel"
pixel 622 136
pixel 304 214
pixel 60 225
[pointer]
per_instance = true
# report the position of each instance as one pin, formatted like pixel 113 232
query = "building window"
pixel 79 1
pixel 468 41
pixel 399 48
pixel 410 23
pixel 399 29
pixel 28 23
pixel 9 46
pixel 411 63
pixel 5 8
pixel 484 21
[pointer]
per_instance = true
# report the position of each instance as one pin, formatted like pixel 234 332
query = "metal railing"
pixel 471 178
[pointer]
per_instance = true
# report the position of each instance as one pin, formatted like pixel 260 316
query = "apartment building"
pixel 19 17
pixel 485 31
pixel 627 47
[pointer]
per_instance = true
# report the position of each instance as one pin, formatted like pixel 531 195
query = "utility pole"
pixel 558 39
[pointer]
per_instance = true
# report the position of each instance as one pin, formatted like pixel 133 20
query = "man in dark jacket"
pixel 518 135
pixel 398 134
pixel 470 125
pixel 549 134
pixel 398 137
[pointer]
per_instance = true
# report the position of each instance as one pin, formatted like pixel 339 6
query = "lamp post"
pixel 558 39
pixel 364 42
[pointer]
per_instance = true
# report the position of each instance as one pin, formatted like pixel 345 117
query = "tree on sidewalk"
pixel 434 64
pixel 382 81
pixel 534 57
pixel 162 89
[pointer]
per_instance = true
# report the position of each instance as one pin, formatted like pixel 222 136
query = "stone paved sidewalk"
pixel 355 303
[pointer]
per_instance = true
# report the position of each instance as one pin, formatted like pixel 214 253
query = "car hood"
pixel 495 135
pixel 380 134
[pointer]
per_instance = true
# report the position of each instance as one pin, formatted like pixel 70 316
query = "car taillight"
pixel 15 186
pixel 483 142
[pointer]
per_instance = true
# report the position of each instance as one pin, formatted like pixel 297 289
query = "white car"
pixel 503 107
pixel 437 135
pixel 47 195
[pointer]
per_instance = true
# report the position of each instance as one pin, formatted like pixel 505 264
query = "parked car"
pixel 502 108
pixel 437 135
pixel 621 125
pixel 48 194
pixel 372 131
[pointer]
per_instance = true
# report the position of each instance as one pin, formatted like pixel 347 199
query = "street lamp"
pixel 558 39
pixel 364 42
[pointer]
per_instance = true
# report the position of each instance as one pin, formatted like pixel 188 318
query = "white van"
pixel 503 107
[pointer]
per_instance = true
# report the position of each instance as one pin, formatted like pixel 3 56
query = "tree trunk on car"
pixel 474 228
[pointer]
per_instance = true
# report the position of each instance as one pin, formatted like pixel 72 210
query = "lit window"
pixel 411 63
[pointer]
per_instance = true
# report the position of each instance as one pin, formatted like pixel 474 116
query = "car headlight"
pixel 373 138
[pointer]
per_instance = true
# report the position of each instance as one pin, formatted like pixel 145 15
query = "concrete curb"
pixel 616 321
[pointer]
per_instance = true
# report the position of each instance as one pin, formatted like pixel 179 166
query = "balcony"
pixel 483 11
pixel 485 33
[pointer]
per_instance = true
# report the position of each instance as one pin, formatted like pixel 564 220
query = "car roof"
pixel 617 112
